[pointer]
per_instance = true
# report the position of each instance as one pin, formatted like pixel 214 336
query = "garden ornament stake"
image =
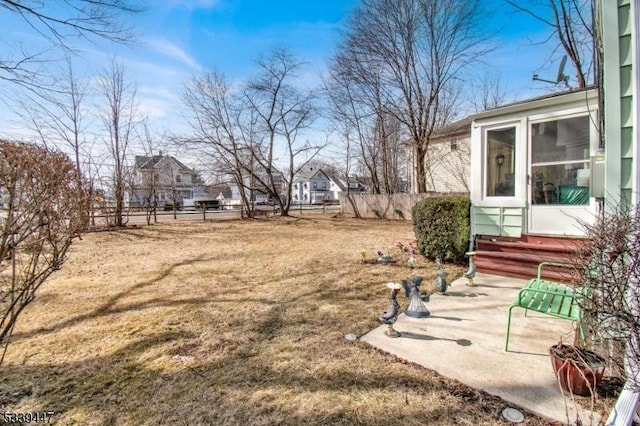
pixel 384 258
pixel 471 272
pixel 390 316
pixel 417 308
pixel 441 279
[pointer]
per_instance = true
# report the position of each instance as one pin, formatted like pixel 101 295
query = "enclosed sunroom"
pixel 537 174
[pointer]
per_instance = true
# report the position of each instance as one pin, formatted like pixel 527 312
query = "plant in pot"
pixel 578 370
pixel 607 273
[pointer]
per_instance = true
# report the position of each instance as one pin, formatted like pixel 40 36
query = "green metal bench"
pixel 550 298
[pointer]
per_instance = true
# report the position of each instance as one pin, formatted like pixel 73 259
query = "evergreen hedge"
pixel 441 226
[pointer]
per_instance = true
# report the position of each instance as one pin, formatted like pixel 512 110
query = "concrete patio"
pixel 464 339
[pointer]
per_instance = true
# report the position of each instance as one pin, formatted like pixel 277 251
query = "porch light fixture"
pixel 500 159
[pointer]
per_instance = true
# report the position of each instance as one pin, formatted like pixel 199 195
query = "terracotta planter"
pixel 579 371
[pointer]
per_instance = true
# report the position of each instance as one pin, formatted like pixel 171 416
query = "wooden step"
pixel 526 246
pixel 535 239
pixel 547 239
pixel 520 271
pixel 520 257
pixel 517 267
pixel 527 256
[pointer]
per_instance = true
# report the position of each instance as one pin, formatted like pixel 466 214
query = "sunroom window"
pixel 559 161
pixel 500 162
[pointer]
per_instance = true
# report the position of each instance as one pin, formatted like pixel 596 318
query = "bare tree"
pixel 58 23
pixel 571 25
pixel 46 209
pixel 146 182
pixel 57 116
pixel 168 181
pixel 254 133
pixel 357 114
pixel 389 139
pixel 119 117
pixel 223 130
pixel 283 111
pixel 346 136
pixel 487 93
pixel 418 49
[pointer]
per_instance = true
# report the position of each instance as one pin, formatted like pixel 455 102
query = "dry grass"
pixel 237 322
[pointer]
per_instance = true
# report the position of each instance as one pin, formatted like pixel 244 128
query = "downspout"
pixel 610 97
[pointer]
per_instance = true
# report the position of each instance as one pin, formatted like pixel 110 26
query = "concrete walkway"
pixel 464 339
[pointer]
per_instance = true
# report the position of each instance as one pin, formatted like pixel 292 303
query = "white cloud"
pixel 153 108
pixel 196 4
pixel 168 94
pixel 171 50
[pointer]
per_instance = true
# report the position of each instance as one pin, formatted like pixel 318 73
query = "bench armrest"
pixel 561 265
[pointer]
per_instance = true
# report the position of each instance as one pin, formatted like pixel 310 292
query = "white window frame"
pixel 561 115
pixel 519 197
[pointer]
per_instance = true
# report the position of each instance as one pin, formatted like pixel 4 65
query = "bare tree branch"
pixel 570 22
pixel 254 133
pixel 408 55
pixel 120 119
pixel 58 23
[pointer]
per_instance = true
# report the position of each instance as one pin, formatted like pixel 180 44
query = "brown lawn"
pixel 234 322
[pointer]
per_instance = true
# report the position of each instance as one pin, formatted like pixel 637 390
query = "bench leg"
pixel 506 343
pixel 581 327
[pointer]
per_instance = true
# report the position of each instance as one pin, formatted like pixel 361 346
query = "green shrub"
pixel 441 226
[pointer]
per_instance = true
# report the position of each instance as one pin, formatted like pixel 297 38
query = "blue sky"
pixel 178 38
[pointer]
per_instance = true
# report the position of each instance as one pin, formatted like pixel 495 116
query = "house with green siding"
pixel 542 168
pixel 619 27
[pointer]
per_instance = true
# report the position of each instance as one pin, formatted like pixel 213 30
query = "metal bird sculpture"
pixel 390 316
pixel 441 279
pixel 471 272
pixel 416 307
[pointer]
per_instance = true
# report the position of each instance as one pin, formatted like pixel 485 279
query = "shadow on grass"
pixel 241 388
pixel 109 307
pixel 247 377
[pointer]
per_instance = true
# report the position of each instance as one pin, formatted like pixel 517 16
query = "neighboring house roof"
pixel 355 182
pixel 340 182
pixel 308 174
pixel 143 162
pixel 456 128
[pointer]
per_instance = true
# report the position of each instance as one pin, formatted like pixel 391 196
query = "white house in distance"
pixel 353 185
pixel 166 177
pixel 313 186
